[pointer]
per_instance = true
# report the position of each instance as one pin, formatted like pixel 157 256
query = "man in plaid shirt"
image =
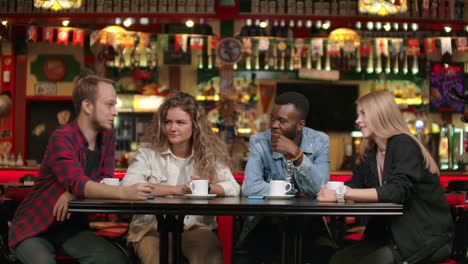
pixel 77 158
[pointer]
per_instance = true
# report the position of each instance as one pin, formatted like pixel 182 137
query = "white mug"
pixel 199 187
pixel 333 185
pixel 279 187
pixel 111 181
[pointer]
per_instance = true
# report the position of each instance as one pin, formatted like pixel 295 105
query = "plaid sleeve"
pixel 64 162
pixel 108 163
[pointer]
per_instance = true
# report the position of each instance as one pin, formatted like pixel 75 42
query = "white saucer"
pixel 279 197
pixel 197 196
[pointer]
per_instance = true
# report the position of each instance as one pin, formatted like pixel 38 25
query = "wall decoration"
pixel 45 88
pixel 56 68
pixel 43 118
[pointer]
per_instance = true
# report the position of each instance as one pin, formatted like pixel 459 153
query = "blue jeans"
pixel 85 246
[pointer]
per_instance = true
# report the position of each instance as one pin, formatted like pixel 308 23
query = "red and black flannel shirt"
pixel 62 169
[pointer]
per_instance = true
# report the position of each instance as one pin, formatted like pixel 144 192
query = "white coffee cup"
pixel 111 181
pixel 279 187
pixel 333 185
pixel 199 187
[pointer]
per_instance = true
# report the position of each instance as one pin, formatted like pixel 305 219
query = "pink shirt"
pixel 380 164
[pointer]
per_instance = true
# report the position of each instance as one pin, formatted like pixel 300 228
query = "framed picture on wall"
pixel 446 80
pixel 45 88
pixel 43 118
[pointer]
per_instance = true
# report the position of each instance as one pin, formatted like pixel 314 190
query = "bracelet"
pixel 298 156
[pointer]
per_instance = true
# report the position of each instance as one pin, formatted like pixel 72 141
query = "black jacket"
pixel 426 223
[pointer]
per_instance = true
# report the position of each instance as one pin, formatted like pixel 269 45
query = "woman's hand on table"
pixel 137 191
pixel 182 189
pixel 185 188
pixel 60 210
pixel 326 195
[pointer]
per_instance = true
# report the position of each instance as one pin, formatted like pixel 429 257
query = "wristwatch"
pixel 340 193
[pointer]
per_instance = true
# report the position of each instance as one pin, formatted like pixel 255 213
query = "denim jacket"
pixel 264 165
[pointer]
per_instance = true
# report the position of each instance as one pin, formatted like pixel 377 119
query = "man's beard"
pixel 97 126
pixel 291 135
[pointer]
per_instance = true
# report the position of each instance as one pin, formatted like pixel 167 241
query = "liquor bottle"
pixel 272 7
pixel 153 5
pixel 309 6
pixel 201 6
pixel 281 7
pixel 126 6
pixel 117 6
pixel 291 8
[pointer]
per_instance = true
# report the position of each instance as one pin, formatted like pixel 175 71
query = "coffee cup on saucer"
pixel 333 185
pixel 199 187
pixel 279 188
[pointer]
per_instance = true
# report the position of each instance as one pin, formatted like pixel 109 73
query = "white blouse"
pixel 165 168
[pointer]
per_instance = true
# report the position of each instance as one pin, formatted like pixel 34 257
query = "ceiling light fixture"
pixel 405 26
pixel 264 24
pixel 56 5
pixel 387 26
pixel 383 7
pixel 378 25
pixel 189 23
pixel 128 22
pixel 144 21
pixel 358 25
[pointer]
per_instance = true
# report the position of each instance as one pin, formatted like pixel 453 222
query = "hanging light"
pixel 387 26
pixel 378 25
pixel 189 23
pixel 358 25
pixel 383 7
pixel 326 25
pixel 56 5
pixel 128 22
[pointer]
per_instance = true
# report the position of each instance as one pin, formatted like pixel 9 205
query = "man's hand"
pixel 60 210
pixel 326 195
pixel 284 145
pixel 137 191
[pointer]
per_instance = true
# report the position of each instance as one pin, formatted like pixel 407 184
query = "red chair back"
pixel 455 199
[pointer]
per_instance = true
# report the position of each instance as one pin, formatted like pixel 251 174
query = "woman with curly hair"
pixel 179 147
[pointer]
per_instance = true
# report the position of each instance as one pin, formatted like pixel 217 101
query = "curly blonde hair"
pixel 209 151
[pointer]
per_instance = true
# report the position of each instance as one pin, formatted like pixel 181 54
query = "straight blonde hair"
pixel 384 118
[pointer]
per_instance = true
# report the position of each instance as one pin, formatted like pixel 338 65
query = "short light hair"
pixel 384 118
pixel 86 88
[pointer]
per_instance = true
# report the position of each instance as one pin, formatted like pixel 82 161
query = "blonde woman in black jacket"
pixel 395 168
